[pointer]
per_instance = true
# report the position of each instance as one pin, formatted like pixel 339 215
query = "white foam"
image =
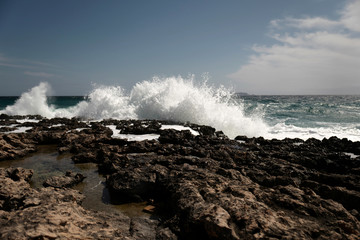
pixel 351 155
pixel 173 98
pixel 179 128
pixel 32 102
pixel 282 130
pixel 116 132
pixel 28 120
pixel 135 137
pixel 57 125
pixel 11 126
pixel 298 143
pixel 20 130
pixel 105 102
pixel 142 137
pixel 132 137
pixel 181 100
pixel 78 129
pixel 176 99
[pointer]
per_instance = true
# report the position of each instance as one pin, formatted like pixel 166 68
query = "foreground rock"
pixel 53 213
pixel 13 146
pixel 70 179
pixel 202 187
pixel 220 189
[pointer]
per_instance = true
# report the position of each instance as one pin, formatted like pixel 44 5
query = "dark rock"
pixel 70 179
pixel 139 127
pixel 206 130
pixel 85 157
pixel 18 174
pixel 7 122
pixel 165 234
pixel 7 129
pixel 15 145
pixel 202 187
pixel 53 213
pixel 176 137
pixel 14 187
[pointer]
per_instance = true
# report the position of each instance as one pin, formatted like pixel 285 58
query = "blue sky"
pixel 255 46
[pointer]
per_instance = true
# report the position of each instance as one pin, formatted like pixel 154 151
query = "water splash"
pixel 181 100
pixel 32 102
pixel 105 102
pixel 171 98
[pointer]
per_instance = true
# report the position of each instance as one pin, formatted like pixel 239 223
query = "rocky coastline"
pixel 199 186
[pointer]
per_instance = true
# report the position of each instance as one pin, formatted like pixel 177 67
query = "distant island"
pixel 242 94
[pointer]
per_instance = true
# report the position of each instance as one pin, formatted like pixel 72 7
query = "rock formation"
pixel 68 180
pixel 200 187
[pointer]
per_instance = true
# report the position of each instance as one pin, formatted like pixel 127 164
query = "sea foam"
pixel 32 102
pixel 172 98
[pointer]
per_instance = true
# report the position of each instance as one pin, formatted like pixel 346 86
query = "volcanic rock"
pixel 53 213
pixel 203 187
pixel 15 145
pixel 70 179
pixel 139 127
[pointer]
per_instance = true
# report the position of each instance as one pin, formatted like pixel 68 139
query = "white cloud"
pixel 7 62
pixel 313 56
pixel 4 64
pixel 351 15
pixel 305 23
pixel 24 63
pixel 39 74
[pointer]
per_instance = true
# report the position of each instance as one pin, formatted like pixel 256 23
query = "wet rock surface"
pixel 68 180
pixel 55 213
pixel 202 187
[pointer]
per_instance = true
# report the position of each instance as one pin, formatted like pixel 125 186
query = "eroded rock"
pixel 203 187
pixel 68 180
pixel 55 213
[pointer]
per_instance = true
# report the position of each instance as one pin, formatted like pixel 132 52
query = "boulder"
pixel 68 180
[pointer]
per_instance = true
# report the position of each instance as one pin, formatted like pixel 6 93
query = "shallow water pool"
pixel 47 162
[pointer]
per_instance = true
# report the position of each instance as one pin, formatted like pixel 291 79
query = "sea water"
pixel 183 100
pixel 47 162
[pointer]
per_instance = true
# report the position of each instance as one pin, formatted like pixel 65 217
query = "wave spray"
pixel 171 98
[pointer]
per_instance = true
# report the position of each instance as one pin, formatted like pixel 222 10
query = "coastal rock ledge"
pixel 203 186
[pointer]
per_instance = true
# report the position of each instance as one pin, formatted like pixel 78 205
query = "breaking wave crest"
pixel 172 98
pixel 32 102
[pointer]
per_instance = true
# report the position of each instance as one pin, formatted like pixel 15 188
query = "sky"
pixel 253 46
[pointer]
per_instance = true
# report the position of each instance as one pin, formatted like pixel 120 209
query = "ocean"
pixel 183 100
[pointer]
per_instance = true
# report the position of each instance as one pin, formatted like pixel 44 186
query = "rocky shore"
pixel 199 184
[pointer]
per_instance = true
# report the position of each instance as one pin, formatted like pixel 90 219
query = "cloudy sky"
pixel 257 46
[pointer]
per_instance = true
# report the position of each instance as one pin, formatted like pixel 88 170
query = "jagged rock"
pixel 70 179
pixel 14 187
pixel 85 157
pixel 53 213
pixel 139 127
pixel 14 145
pixel 203 187
pixel 17 174
pixel 176 137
